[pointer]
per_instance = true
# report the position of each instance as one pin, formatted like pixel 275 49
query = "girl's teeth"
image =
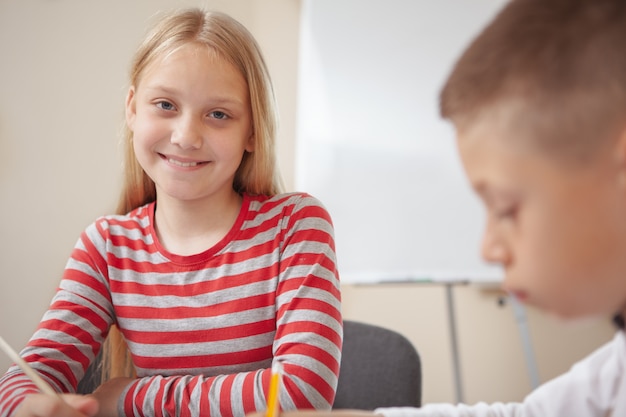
pixel 182 164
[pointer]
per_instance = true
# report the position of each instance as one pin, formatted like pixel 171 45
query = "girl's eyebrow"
pixel 223 100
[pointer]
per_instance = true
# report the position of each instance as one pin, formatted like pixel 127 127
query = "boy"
pixel 538 101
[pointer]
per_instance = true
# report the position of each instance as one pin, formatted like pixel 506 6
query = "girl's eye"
pixel 220 115
pixel 165 105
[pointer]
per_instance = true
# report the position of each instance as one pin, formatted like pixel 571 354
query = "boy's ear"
pixel 620 154
pixel 130 108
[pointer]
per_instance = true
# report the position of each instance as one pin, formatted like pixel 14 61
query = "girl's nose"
pixel 187 133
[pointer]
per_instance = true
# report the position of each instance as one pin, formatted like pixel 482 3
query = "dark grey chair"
pixel 379 368
pixel 93 376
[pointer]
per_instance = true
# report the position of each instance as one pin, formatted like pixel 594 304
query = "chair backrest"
pixel 379 368
pixel 92 378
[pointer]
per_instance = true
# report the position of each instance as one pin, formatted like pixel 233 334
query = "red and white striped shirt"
pixel 204 329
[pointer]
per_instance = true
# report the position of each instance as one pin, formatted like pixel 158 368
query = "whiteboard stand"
pixel 454 342
pixel 522 324
pixel 521 320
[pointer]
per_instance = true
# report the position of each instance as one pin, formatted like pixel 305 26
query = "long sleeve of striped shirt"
pixel 203 330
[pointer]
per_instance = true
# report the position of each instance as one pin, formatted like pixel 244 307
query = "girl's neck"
pixel 191 227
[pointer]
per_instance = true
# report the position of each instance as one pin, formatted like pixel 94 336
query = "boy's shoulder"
pixel 589 387
pixel 611 356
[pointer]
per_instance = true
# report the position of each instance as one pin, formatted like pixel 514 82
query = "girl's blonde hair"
pixel 257 173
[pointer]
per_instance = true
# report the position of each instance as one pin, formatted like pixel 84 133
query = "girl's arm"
pixel 67 339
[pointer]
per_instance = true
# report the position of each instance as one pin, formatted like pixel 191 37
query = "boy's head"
pixel 539 104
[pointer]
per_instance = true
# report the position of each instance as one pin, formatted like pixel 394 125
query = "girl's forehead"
pixel 187 54
pixel 188 51
pixel 195 48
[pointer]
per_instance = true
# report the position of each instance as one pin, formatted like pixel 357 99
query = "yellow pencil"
pixel 273 405
pixel 30 372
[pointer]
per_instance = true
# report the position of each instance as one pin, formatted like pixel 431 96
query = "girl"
pixel 209 274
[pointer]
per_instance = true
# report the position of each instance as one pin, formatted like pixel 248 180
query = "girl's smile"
pixel 182 162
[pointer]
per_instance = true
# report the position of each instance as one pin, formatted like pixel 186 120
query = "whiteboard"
pixel 371 145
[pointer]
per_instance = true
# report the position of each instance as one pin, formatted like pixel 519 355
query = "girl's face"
pixel 558 230
pixel 191 122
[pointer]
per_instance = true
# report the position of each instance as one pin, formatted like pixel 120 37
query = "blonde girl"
pixel 207 274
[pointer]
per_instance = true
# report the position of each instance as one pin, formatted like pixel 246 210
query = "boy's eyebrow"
pixel 480 188
pixel 484 190
pixel 492 193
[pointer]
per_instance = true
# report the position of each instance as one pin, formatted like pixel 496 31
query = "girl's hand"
pixel 71 405
pixel 108 395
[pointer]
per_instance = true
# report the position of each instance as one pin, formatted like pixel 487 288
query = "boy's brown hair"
pixel 559 65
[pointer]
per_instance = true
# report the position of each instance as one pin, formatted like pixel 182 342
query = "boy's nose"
pixel 187 134
pixel 493 250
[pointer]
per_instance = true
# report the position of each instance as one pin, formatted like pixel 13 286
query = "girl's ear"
pixel 131 108
pixel 251 142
